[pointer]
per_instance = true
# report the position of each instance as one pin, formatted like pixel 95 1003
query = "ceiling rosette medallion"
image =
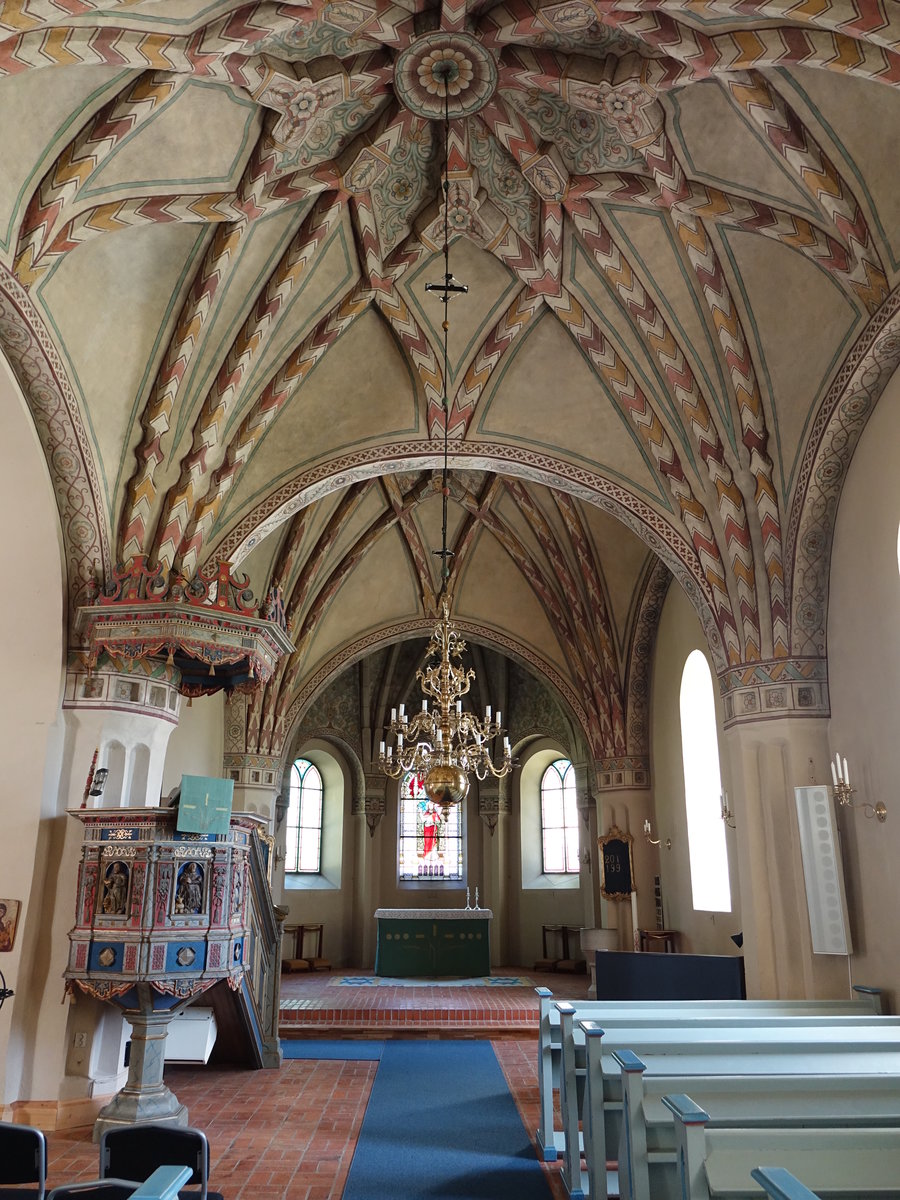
pixel 466 65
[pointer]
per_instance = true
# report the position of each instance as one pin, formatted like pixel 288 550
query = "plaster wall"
pixel 29 718
pixel 679 633
pixel 196 744
pixel 864 679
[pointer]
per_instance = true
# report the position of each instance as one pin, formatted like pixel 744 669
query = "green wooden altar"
pixel 433 941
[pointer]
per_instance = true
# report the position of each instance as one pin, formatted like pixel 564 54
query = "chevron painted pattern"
pixel 245 351
pixel 59 188
pixel 696 411
pixel 663 161
pixel 819 176
pixel 141 495
pixel 276 393
pixel 514 321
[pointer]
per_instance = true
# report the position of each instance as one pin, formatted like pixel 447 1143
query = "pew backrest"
pixel 837 1160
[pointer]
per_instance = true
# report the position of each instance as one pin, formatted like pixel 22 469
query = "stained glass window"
pixel 559 819
pixel 303 838
pixel 430 836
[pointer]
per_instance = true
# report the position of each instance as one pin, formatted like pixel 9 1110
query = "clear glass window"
pixel 303 838
pixel 430 836
pixel 559 819
pixel 710 884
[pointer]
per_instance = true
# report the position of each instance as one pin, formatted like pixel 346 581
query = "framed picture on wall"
pixel 9 919
pixel 616 864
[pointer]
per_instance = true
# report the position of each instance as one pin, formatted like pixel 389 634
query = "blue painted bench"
pixel 550 1138
pixel 846 1162
pixel 647 1145
pixel 594 1094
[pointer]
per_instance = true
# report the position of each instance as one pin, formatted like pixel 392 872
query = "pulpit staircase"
pixel 247 1017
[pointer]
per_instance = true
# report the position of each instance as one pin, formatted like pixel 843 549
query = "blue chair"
pixel 23 1159
pixel 135 1151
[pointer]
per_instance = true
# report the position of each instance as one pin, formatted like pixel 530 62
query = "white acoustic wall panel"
pixel 822 871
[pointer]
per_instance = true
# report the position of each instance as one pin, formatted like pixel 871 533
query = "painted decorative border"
pixel 654 530
pixel 418 627
pixel 39 371
pixel 833 438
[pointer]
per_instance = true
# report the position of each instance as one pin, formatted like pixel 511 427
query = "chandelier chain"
pixel 443 744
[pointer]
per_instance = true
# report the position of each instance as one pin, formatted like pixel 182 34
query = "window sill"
pixel 548 883
pixel 309 883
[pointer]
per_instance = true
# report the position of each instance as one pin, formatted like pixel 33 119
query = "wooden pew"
pixel 689 1051
pixel 850 1162
pixel 647 1148
pixel 550 1139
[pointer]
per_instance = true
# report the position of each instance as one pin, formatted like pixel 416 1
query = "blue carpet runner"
pixel 348 1048
pixel 441 1125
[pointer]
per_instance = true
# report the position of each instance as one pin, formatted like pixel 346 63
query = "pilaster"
pixel 494 809
pixel 766 760
pixel 623 798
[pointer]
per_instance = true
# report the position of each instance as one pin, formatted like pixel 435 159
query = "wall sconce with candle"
pixel 844 793
pixel 655 841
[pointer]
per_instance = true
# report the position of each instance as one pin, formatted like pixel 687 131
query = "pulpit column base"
pixel 144 1098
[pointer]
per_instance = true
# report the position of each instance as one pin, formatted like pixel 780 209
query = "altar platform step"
pixel 326 1006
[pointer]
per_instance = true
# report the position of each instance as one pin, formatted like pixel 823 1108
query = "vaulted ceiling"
pixel 679 225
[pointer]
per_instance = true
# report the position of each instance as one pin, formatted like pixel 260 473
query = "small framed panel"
pixel 616 864
pixel 9 919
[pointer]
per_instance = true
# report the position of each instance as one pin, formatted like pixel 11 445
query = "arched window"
pixel 703 788
pixel 559 819
pixel 430 836
pixel 303 837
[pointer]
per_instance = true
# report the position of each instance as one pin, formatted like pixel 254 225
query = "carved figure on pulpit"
pixel 189 893
pixel 115 890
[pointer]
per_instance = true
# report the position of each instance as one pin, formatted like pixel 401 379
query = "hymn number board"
pixel 616 865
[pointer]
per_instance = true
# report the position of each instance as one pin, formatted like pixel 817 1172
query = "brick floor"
pixel 290 1134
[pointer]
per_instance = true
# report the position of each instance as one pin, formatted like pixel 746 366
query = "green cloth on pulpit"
pixel 205 805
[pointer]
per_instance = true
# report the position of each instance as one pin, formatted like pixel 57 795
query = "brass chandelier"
pixel 443 744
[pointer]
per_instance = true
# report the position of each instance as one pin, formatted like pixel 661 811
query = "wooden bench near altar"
pixel 433 941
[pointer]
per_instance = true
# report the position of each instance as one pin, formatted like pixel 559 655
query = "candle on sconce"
pixel 646 830
pixel 382 751
pixel 499 718
pixel 834 774
pixel 846 774
pixel 402 712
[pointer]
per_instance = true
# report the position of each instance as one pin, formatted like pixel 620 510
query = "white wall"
pixel 864 679
pixel 197 743
pixel 31 616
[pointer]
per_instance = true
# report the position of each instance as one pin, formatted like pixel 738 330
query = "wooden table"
pixel 433 941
